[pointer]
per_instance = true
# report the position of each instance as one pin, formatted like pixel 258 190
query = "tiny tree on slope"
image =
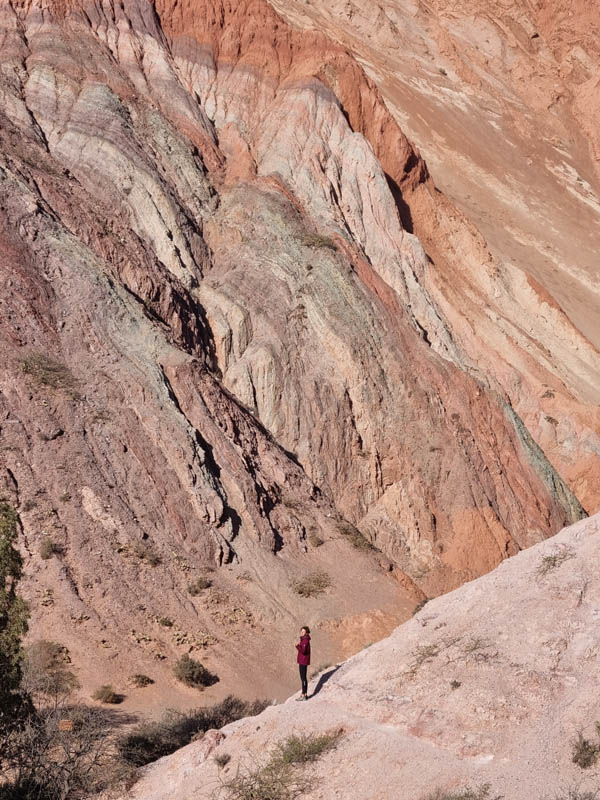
pixel 13 622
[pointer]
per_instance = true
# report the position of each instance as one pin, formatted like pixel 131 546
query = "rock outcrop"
pixel 243 331
pixel 490 684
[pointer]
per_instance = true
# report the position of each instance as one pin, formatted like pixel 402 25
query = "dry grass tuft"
pixel 312 585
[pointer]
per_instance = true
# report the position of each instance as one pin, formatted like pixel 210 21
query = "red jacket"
pixel 303 649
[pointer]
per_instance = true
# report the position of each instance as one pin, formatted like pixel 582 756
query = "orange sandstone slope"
pixel 225 347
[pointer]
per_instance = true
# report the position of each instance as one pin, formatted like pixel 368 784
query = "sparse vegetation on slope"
pixel 106 694
pixel 480 793
pixel 199 585
pixel 193 673
pixel 282 777
pixel 312 585
pixel 50 548
pixel 47 371
pixel 152 740
pixel 585 751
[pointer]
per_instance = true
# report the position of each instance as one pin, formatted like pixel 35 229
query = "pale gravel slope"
pixel 526 650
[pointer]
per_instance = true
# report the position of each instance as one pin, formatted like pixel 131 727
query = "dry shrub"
pixel 281 778
pixel 62 752
pixel 299 749
pixel 145 552
pixel 106 694
pixel 46 670
pixel 480 793
pixel 312 585
pixel 585 752
pixel 50 548
pixel 47 371
pixel 354 536
pixel 318 241
pixel 197 586
pixel 140 681
pixel 152 740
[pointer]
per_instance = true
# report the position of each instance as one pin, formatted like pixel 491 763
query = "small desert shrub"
pixel 576 794
pixel 319 242
pixel 166 622
pixel 222 760
pixel 552 561
pixel 45 669
pixel 314 539
pixel 50 548
pixel 46 371
pixel 305 747
pixel 480 793
pixel 355 537
pixel 455 685
pixel 424 653
pixel 197 586
pixel 152 740
pixel 312 585
pixel 585 752
pixel 193 673
pixel 140 681
pixel 267 783
pixel 106 694
pixel 420 605
pixel 145 552
pixel 281 778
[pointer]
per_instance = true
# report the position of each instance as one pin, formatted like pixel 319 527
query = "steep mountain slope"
pixel 224 345
pixel 521 646
pixel 503 102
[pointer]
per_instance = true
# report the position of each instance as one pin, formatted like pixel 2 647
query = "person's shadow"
pixel 323 678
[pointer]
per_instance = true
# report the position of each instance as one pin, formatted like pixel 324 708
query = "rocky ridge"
pixel 489 684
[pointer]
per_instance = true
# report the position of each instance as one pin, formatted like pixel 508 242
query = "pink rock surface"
pixel 522 643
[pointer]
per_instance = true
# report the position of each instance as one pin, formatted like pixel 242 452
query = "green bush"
pixel 14 615
pixel 193 673
pixel 299 749
pixel 152 740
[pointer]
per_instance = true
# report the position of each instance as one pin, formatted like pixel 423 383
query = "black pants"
pixel 303 668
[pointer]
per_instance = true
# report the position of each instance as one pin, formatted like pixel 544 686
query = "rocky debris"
pixel 489 684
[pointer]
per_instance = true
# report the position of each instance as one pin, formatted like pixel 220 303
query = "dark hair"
pixel 305 628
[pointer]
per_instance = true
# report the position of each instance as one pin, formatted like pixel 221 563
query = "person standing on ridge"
pixel 303 648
